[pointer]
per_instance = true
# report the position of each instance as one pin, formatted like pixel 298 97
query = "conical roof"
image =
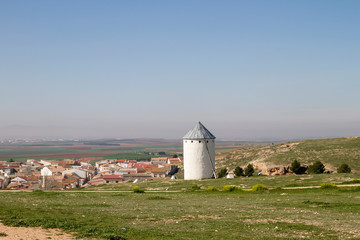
pixel 199 132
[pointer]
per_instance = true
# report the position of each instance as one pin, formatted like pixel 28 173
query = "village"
pixel 75 173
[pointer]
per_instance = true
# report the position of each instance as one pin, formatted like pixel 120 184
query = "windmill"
pixel 199 153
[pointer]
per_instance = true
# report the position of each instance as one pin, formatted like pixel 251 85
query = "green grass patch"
pixel 280 214
pixel 355 181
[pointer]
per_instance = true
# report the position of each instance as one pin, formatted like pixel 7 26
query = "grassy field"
pixel 243 182
pixel 177 212
pixel 274 214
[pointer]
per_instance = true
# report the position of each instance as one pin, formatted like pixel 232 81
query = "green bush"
pixel 259 188
pixel 344 168
pixel 3 234
pixel 211 189
pixel 230 188
pixel 317 168
pixel 249 170
pixel 222 173
pixel 195 187
pixel 136 189
pixel 326 185
pixel 239 172
pixel 158 198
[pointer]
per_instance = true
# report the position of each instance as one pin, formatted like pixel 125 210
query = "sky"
pixel 130 69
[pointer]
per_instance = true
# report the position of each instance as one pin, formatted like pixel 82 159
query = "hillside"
pixel 272 158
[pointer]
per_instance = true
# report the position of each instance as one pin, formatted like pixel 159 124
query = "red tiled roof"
pixel 32 178
pixel 113 176
pixel 66 180
pixel 36 162
pixel 152 166
pixel 158 170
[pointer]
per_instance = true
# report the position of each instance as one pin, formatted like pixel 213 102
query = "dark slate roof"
pixel 199 132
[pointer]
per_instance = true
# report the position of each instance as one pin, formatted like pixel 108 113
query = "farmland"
pixel 129 149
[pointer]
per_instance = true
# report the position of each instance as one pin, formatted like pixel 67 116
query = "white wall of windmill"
pixel 197 164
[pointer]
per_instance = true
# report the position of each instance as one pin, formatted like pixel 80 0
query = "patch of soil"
pixel 29 233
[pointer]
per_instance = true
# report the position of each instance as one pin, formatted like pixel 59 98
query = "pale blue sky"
pixel 246 69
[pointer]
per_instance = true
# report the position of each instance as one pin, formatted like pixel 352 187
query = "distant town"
pixel 75 173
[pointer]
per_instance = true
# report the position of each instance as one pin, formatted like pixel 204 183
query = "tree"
pixel 295 167
pixel 317 168
pixel 249 170
pixel 222 173
pixel 344 168
pixel 175 156
pixel 11 160
pixel 239 171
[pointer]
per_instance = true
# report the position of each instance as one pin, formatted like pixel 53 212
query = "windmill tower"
pixel 199 153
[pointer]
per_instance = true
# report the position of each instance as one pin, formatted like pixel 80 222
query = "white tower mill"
pixel 199 153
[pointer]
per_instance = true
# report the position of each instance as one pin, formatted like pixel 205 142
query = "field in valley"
pixel 101 149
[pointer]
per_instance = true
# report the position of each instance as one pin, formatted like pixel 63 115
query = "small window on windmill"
pixel 199 141
pixel 192 141
pixel 185 141
pixel 207 141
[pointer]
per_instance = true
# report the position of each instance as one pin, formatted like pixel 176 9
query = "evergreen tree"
pixel 222 173
pixel 317 168
pixel 249 170
pixel 239 171
pixel 296 167
pixel 344 168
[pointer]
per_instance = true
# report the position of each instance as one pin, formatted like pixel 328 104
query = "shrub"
pixel 295 167
pixel 326 185
pixel 249 170
pixel 211 189
pixel 239 172
pixel 136 189
pixel 317 168
pixel 3 234
pixel 344 168
pixel 259 188
pixel 158 198
pixel 195 187
pixel 222 173
pixel 230 188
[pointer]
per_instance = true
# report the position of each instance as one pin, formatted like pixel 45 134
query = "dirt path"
pixel 31 233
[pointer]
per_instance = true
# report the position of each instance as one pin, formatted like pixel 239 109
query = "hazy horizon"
pixel 152 69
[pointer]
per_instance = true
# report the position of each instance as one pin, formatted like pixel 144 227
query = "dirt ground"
pixel 28 233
